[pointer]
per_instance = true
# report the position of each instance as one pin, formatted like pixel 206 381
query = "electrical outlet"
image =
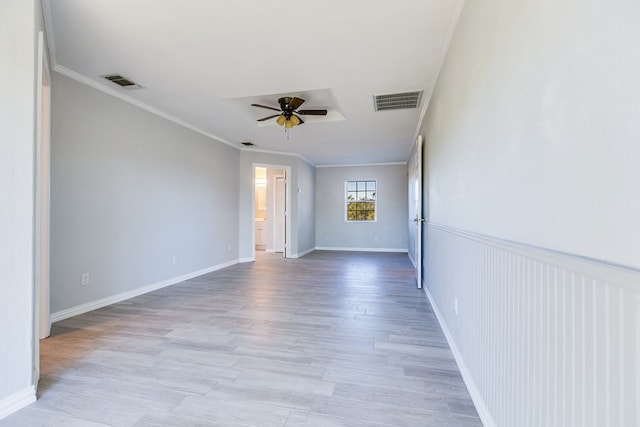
pixel 455 305
pixel 84 279
pixel 175 259
pixel 229 248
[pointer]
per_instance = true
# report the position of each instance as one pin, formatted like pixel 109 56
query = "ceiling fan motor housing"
pixel 284 103
pixel 289 111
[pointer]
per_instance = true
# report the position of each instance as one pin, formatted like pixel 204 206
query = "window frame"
pixel 346 200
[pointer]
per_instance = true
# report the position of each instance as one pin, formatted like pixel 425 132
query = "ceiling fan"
pixel 288 113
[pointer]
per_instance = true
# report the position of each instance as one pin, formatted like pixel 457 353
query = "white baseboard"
pixel 17 401
pixel 330 248
pixel 241 260
pixel 476 396
pixel 413 262
pixel 94 305
pixel 303 253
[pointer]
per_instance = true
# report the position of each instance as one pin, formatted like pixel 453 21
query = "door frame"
pixel 42 207
pixel 275 203
pixel 287 224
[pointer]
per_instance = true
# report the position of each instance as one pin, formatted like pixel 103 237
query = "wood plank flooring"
pixel 330 339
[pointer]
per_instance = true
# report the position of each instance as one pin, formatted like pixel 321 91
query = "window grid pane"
pixel 361 200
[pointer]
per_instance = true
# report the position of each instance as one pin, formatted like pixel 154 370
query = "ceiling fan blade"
pixel 301 121
pixel 265 106
pixel 313 112
pixel 295 103
pixel 267 118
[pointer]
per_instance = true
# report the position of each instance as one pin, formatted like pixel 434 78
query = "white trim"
pixel 274 216
pixel 476 396
pixel 126 98
pixel 281 153
pixel 303 253
pixel 243 260
pixel 17 401
pixel 413 262
pixel 625 276
pixel 103 302
pixel 41 224
pixel 334 248
pixel 362 164
pixel 49 30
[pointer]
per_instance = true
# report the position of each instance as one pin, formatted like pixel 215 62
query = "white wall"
pixel 389 232
pixel 130 191
pixel 19 22
pixel 532 141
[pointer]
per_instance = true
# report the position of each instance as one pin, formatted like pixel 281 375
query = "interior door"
pixel 280 215
pixel 418 219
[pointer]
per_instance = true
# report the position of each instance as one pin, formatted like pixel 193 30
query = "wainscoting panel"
pixel 542 338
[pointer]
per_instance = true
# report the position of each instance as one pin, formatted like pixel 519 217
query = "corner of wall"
pixel 17 401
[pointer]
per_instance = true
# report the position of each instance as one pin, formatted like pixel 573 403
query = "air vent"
pixel 397 101
pixel 248 144
pixel 122 81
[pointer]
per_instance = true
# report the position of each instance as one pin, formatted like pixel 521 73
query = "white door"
pixel 418 220
pixel 280 214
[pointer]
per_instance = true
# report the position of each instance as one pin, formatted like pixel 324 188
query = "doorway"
pixel 270 209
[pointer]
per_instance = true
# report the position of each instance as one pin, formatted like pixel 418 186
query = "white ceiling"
pixel 203 62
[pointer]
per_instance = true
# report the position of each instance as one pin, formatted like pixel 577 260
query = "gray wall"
pixel 533 128
pixel 129 192
pixel 19 21
pixel 532 153
pixel 306 223
pixel 388 232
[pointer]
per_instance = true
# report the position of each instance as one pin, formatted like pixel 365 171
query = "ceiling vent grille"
pixel 122 81
pixel 397 101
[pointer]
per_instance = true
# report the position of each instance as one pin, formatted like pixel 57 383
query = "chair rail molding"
pixel 541 337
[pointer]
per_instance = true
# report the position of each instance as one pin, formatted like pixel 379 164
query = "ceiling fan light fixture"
pixel 288 113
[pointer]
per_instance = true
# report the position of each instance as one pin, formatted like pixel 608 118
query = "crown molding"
pixel 48 30
pixel 280 153
pixel 123 97
pixel 362 164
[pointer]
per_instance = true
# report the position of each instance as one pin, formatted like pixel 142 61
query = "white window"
pixel 360 200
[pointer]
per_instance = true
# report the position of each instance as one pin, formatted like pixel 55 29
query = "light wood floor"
pixel 330 339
